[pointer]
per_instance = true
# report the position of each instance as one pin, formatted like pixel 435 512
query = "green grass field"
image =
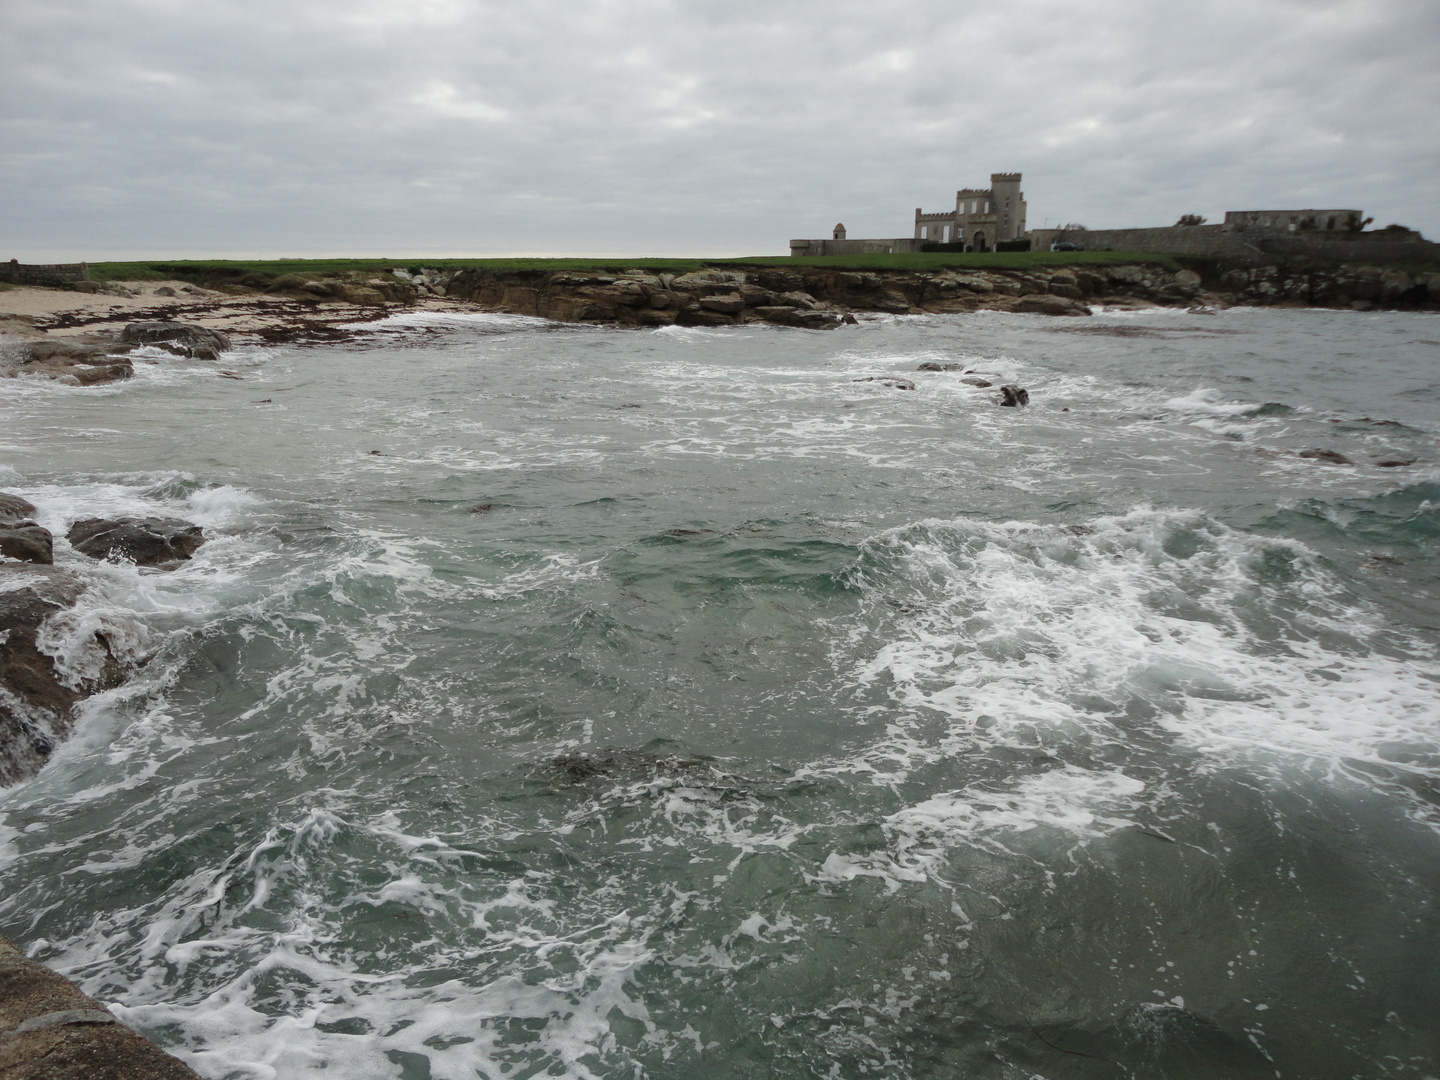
pixel 203 269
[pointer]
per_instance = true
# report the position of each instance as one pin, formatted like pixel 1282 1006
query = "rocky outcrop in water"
pixel 162 542
pixel 888 380
pixel 37 700
pixel 1014 396
pixel 37 697
pixel 21 537
pixel 51 1030
pixel 182 339
pixel 81 360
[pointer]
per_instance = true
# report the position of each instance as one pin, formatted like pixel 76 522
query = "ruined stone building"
pixel 981 216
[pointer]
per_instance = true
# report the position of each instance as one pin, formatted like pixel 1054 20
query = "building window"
pixel 945 235
pixel 924 232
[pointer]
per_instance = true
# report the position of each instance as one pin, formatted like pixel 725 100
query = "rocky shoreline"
pixel 72 334
pixel 51 1030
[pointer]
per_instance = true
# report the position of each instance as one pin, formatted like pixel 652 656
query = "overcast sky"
pixel 688 127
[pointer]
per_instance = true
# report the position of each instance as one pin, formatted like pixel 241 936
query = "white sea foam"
pixel 1021 626
pixel 1207 401
pixel 489 321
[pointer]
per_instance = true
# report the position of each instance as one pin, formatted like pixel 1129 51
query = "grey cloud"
pixel 456 127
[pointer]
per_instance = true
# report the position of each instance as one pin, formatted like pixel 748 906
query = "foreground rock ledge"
pixel 49 1030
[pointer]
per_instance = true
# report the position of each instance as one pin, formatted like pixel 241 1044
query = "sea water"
pixel 559 701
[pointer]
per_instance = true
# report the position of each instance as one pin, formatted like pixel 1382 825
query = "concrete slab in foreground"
pixel 49 1030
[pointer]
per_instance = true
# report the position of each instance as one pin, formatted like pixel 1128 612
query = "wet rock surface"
pixel 161 542
pixel 182 339
pixel 1330 457
pixel 84 360
pixel 36 698
pixel 51 1030
pixel 20 536
pixel 1013 396
pixel 888 380
pixel 27 543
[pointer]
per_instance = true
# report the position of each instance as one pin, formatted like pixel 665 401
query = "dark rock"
pixel 16 511
pixel 1395 463
pixel 888 380
pixel 50 1030
pixel 29 543
pixel 164 290
pixel 932 365
pixel 1014 395
pixel 20 537
pixel 972 381
pixel 145 542
pixel 35 700
pixel 1329 456
pixel 579 767
pixel 198 342
pixel 849 320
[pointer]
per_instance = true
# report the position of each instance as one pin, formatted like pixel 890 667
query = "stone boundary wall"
pixel 901 245
pixel 18 273
pixel 1250 246
pixel 1211 240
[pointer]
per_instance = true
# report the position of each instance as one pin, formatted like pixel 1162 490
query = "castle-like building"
pixel 991 219
pixel 982 217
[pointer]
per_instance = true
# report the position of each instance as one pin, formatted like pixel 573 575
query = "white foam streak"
pixel 1031 634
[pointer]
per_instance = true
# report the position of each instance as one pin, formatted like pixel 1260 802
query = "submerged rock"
pixel 183 339
pixel 580 766
pixel 1014 395
pixel 1331 457
pixel 932 365
pixel 888 380
pixel 144 541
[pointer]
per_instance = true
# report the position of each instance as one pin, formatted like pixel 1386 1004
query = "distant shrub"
pixel 1190 219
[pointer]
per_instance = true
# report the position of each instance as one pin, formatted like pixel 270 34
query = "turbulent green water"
pixel 669 704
